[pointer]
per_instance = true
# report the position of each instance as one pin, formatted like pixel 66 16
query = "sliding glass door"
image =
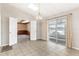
pixel 57 30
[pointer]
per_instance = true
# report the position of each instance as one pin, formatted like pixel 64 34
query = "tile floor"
pixel 39 48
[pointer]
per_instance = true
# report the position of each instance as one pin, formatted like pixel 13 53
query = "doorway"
pixel 26 32
pixel 23 30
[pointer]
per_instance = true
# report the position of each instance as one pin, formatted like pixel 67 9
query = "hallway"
pixel 39 48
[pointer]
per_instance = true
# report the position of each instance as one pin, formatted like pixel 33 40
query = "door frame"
pixel 68 30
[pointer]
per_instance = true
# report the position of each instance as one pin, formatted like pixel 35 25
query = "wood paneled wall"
pixel 21 26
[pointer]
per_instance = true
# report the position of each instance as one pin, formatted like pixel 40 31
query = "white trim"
pixel 4 45
pixel 75 48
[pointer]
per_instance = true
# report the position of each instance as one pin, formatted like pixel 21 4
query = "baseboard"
pixel 41 39
pixel 4 45
pixel 75 48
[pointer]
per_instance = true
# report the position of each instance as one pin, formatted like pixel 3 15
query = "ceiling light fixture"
pixel 36 8
pixel 39 17
pixel 24 21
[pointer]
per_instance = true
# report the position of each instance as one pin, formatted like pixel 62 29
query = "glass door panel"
pixel 52 30
pixel 61 28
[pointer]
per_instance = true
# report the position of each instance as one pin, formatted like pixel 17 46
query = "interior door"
pixel 33 30
pixel 12 31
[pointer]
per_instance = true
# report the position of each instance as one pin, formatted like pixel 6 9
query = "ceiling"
pixel 46 9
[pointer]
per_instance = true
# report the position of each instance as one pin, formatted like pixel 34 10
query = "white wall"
pixel 39 28
pixel 75 28
pixel 9 11
pixel 0 25
pixel 36 30
pixel 0 30
pixel 44 30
